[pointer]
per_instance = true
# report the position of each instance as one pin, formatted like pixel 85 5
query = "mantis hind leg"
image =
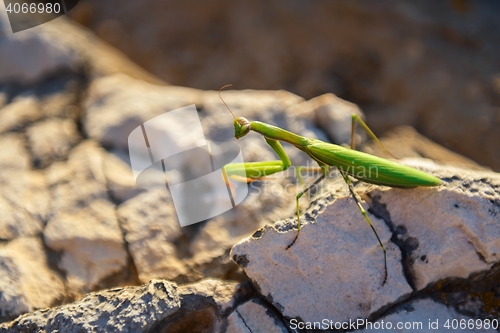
pixel 356 118
pixel 363 211
pixel 299 195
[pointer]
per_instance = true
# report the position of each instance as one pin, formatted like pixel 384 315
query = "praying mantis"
pixel 349 162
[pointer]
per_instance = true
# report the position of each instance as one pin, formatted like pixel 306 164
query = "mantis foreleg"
pixel 257 170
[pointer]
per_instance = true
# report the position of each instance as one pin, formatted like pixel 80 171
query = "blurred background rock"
pixel 432 65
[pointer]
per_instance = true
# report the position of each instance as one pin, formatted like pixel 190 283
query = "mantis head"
pixel 241 124
pixel 241 127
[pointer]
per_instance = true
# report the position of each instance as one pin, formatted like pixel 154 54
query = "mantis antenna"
pixel 227 85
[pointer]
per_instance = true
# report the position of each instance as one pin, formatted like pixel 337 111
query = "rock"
pixel 267 202
pixel 160 248
pixel 22 111
pixel 223 293
pixel 450 232
pixel 334 116
pixel 335 255
pixel 205 306
pixel 101 58
pixel 139 101
pixel 120 179
pixel 405 141
pixel 55 47
pixel 253 316
pixel 332 257
pixel 157 306
pixel 425 314
pixel 13 153
pixel 91 243
pixel 51 140
pixel 84 226
pixel 59 96
pixel 81 175
pixel 26 282
pixel 25 206
pixel 31 54
pixel 56 97
pixel 151 232
pixel 129 309
pixel 209 298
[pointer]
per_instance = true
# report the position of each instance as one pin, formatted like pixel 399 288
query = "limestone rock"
pixel 31 54
pixel 25 206
pixel 160 248
pixel 91 243
pixel 120 178
pixel 405 141
pixel 334 256
pixel 56 97
pixel 26 282
pixel 252 316
pixel 266 203
pixel 419 314
pixel 58 46
pixel 139 101
pixel 151 230
pixel 13 153
pixel 20 112
pixel 129 309
pixel 84 226
pixel 450 231
pixel 205 306
pixel 59 96
pixel 51 140
pixel 334 116
pixel 223 293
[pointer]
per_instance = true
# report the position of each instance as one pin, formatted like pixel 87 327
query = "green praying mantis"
pixel 349 162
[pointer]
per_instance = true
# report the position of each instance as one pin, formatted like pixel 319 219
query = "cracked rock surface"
pixel 334 256
pixel 129 309
pixel 425 314
pixel 84 226
pixel 431 234
pixel 25 277
pixel 450 232
pixel 253 316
